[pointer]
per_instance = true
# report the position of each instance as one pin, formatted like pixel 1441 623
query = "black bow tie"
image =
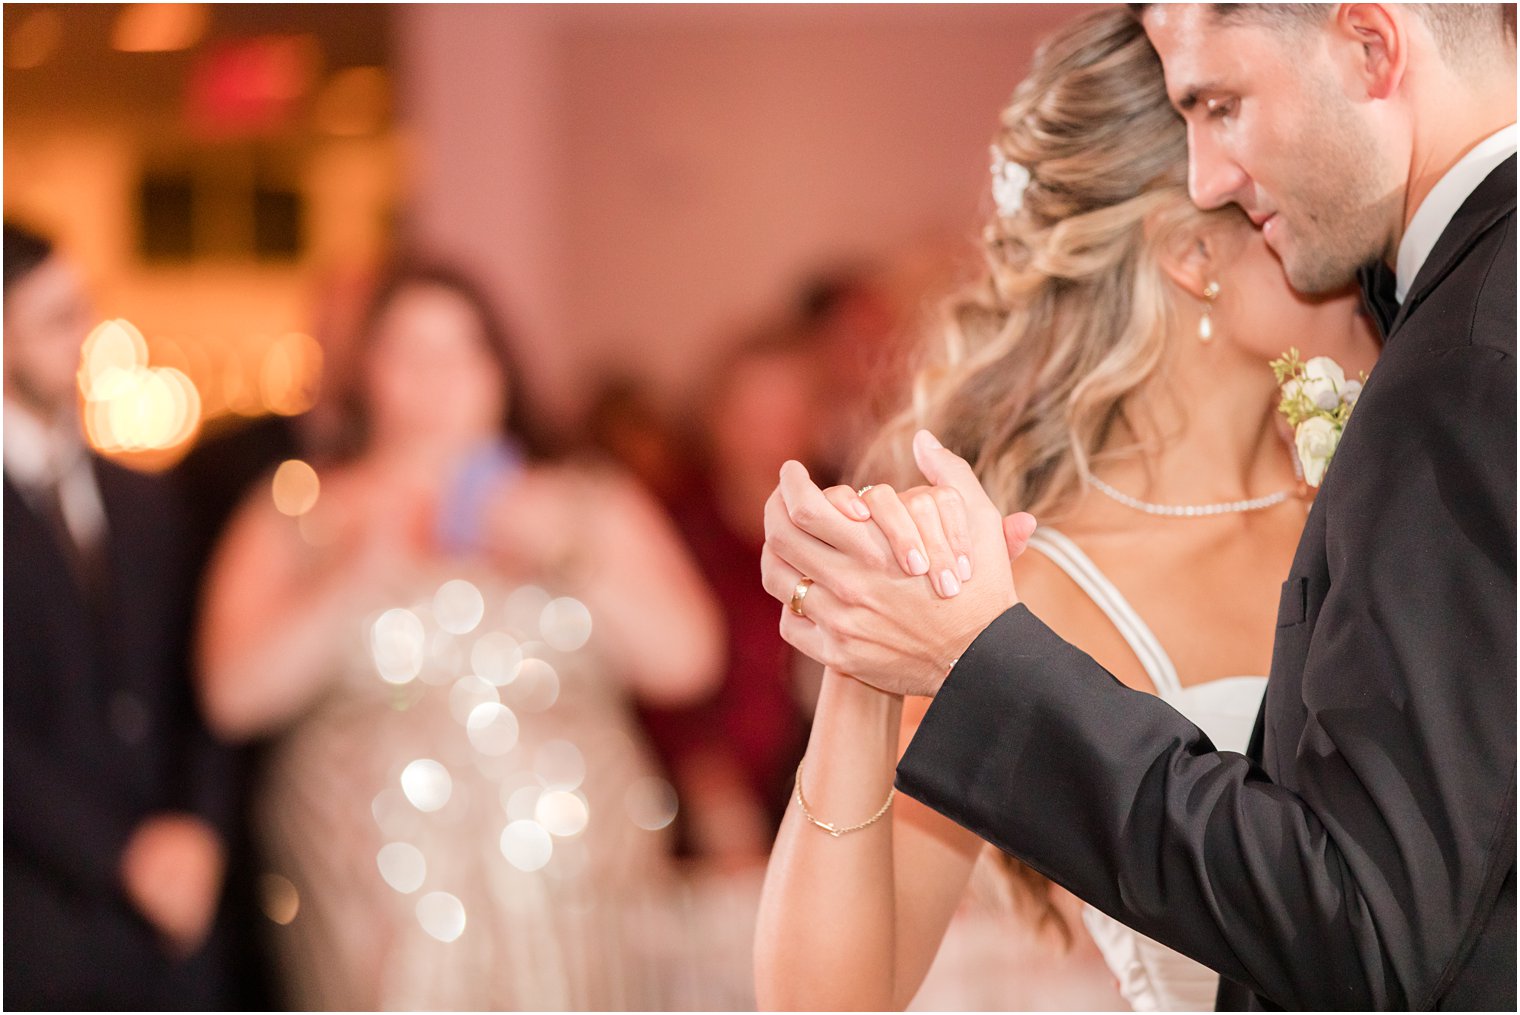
pixel 1378 288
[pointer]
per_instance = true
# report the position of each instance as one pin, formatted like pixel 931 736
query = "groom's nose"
pixel 1214 178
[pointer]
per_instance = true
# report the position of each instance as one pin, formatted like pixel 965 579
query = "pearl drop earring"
pixel 1206 323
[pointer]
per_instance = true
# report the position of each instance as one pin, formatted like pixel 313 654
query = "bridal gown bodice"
pixel 468 818
pixel 1151 976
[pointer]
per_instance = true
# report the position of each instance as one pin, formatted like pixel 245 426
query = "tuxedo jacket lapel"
pixel 1484 208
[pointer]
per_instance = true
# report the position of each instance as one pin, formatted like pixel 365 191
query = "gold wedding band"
pixel 862 491
pixel 798 595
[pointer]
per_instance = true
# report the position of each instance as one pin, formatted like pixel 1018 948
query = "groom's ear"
pixel 1374 39
pixel 1189 257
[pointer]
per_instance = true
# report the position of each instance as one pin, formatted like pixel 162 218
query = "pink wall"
pixel 640 180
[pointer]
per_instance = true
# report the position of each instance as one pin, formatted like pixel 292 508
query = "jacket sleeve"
pixel 1362 872
pixel 56 822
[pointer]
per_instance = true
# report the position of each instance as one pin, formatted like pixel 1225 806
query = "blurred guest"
pixel 625 423
pixel 113 789
pixel 213 479
pixel 856 329
pixel 733 756
pixel 458 812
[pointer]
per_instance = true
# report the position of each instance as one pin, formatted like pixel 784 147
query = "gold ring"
pixel 862 491
pixel 798 595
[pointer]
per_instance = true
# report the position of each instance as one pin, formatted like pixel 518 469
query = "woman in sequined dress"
pixel 441 635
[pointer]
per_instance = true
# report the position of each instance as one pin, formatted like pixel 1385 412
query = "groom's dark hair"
pixel 25 251
pixel 1460 29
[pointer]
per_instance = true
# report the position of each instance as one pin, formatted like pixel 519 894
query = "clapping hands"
pixel 901 583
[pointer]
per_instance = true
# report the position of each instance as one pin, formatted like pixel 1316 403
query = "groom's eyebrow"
pixel 1189 98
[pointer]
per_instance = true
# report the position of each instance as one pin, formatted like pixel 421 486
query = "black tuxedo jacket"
pixel 1363 855
pixel 100 732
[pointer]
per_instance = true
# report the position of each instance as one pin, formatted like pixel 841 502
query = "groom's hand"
pixel 864 615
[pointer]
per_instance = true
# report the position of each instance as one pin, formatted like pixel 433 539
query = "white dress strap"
pixel 1065 554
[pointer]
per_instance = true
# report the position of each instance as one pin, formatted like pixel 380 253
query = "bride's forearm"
pixel 826 936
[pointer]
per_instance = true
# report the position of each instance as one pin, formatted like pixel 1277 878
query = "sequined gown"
pixel 468 818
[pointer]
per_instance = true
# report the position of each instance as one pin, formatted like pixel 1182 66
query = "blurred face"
pixel 1262 315
pixel 766 413
pixel 47 317
pixel 1279 123
pixel 429 377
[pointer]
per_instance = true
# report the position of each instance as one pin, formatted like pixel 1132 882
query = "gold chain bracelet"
pixel 832 829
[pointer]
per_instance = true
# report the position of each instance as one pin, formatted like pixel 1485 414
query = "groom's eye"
pixel 1218 109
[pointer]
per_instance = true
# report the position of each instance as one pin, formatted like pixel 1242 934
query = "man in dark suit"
pixel 113 789
pixel 1363 855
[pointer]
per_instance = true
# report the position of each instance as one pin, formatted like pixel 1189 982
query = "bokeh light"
pixel 536 687
pixel 34 40
pixel 289 373
pixel 561 813
pixel 441 915
pixel 458 606
pixel 129 405
pixel 159 28
pixel 651 803
pixel 279 898
pixel 398 644
pixel 496 657
pixel 469 692
pixel 526 845
pixel 427 784
pixel 492 729
pixel 565 624
pixel 402 865
pixel 295 488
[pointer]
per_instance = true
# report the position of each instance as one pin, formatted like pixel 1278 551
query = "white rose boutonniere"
pixel 1316 439
pixel 1317 401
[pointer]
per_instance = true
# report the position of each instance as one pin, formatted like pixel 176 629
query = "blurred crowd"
pixel 408 701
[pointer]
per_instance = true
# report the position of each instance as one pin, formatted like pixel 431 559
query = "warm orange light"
pixel 159 28
pixel 290 373
pixel 295 488
pixel 355 102
pixel 112 353
pixel 34 40
pixel 130 406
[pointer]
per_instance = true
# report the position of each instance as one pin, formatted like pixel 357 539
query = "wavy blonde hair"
pixel 1035 376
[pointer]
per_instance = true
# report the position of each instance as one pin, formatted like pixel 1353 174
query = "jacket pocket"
pixel 1293 603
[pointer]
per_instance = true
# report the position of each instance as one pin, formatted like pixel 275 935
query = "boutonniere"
pixel 1317 401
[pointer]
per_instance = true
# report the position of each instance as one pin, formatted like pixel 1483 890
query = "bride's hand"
pixel 927 529
pixel 925 526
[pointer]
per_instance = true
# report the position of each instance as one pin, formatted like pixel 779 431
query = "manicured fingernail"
pixel 963 565
pixel 916 562
pixel 947 583
pixel 859 510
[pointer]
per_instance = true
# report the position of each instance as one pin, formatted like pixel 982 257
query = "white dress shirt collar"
pixel 40 458
pixel 30 460
pixel 1445 198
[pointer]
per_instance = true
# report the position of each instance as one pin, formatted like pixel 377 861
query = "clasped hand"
pixel 902 582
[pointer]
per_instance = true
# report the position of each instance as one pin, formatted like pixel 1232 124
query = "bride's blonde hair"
pixel 1034 378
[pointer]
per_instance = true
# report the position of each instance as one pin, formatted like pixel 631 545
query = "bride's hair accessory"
pixel 1317 401
pixel 1009 179
pixel 832 829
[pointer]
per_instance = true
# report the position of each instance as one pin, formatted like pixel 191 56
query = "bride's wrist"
pixel 859 689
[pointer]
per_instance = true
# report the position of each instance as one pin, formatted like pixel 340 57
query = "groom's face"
pixel 1272 127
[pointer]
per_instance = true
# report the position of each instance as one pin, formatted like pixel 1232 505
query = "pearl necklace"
pixel 1201 510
